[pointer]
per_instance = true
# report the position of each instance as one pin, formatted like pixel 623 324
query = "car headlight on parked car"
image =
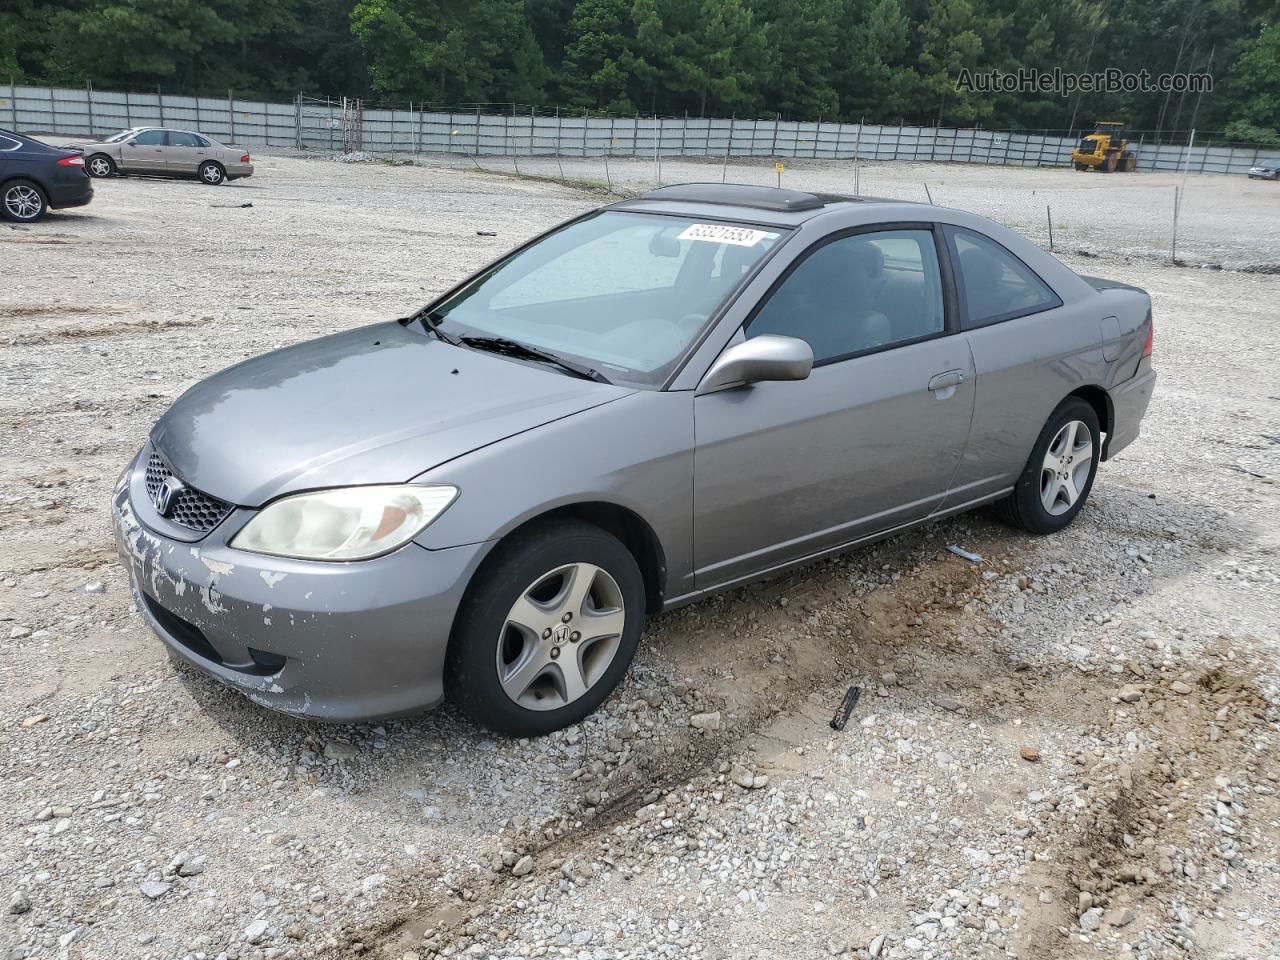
pixel 349 523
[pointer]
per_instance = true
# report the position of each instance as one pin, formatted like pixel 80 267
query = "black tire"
pixel 481 633
pixel 100 165
pixel 1081 167
pixel 22 201
pixel 1024 507
pixel 211 173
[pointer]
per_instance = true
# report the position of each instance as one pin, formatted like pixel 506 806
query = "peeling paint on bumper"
pixel 361 641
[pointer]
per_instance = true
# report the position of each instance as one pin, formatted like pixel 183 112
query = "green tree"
pixel 950 41
pixel 598 58
pixel 715 57
pixel 1253 89
pixel 801 37
pixel 869 73
pixel 450 51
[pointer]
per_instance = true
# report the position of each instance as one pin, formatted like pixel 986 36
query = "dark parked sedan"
pixel 36 178
pixel 652 402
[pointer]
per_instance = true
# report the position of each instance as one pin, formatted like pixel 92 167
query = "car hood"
pixel 379 404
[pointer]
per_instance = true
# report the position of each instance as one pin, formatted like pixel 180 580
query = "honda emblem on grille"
pixel 167 494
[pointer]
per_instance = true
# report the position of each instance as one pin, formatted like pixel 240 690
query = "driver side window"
pixel 858 293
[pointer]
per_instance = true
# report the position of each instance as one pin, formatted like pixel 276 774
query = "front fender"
pixel 636 453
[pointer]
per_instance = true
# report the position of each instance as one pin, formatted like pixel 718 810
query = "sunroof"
pixel 741 195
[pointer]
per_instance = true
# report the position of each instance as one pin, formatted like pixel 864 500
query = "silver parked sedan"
pixel 654 401
pixel 160 151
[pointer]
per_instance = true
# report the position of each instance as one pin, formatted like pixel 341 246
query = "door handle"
pixel 946 380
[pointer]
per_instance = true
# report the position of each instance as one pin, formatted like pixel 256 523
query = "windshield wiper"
pixel 431 323
pixel 513 348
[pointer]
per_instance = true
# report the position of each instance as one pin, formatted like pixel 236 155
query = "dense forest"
pixel 885 60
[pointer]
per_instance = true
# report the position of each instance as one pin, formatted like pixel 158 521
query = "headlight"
pixel 350 523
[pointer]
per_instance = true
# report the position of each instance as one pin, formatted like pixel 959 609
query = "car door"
pixel 869 441
pixel 144 152
pixel 184 152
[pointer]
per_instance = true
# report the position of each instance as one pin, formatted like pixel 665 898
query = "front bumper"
pixel 342 642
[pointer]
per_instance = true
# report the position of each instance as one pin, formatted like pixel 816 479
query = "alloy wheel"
pixel 560 636
pixel 1066 467
pixel 100 166
pixel 23 202
pixel 211 174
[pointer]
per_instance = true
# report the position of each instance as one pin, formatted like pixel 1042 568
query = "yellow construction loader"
pixel 1105 150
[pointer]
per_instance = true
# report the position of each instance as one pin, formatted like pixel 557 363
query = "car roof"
pixel 739 201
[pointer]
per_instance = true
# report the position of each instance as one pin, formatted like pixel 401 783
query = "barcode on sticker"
pixel 719 233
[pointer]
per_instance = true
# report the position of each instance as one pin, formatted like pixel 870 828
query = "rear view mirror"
pixel 766 357
pixel 664 245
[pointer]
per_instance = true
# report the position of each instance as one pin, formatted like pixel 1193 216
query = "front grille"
pixel 190 508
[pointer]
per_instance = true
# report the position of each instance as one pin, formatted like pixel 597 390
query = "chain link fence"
pixel 511 130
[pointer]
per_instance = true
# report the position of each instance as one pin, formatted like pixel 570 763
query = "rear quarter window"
pixel 994 284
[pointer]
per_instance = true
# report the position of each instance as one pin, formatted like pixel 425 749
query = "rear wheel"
pixel 1081 167
pixel 100 165
pixel 22 201
pixel 547 630
pixel 212 173
pixel 1057 479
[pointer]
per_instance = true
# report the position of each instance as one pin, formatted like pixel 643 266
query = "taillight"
pixel 1151 336
pixel 71 161
pixel 245 158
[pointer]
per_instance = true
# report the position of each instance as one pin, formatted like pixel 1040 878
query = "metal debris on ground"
pixel 961 552
pixel 846 707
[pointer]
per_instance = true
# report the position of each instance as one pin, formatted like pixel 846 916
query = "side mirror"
pixel 133 143
pixel 766 357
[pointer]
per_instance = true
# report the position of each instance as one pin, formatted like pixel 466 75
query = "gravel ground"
pixel 1065 750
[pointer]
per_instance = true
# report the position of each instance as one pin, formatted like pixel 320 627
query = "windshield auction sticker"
pixel 720 233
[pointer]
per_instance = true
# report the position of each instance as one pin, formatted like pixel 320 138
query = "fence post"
pixel 817 135
pixel 53 112
pixel 477 134
pixel 13 106
pixel 728 145
pixel 160 103
pixel 231 113
pixel 684 132
pixel 586 122
pixel 559 127
pixel 297 120
pixel 773 150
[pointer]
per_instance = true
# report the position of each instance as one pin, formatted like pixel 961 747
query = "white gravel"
pixel 1064 750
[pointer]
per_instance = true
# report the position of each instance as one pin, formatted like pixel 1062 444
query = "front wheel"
pixel 212 173
pixel 22 201
pixel 547 630
pixel 100 165
pixel 1057 479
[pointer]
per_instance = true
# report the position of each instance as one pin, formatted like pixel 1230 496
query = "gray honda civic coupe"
pixel 652 402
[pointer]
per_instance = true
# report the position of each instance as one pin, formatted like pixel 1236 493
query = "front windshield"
pixel 624 293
